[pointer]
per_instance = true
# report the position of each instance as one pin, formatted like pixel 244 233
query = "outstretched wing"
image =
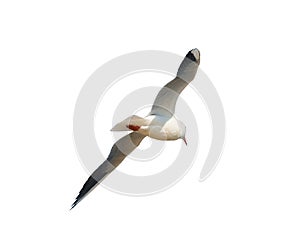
pixel 165 101
pixel 118 153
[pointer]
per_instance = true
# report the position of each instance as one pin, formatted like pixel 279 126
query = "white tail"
pixel 132 120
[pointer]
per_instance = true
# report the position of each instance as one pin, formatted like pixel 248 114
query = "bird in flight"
pixel 160 124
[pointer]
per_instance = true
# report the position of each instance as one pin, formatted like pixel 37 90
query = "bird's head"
pixel 182 132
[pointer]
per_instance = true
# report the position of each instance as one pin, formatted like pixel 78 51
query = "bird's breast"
pixel 161 128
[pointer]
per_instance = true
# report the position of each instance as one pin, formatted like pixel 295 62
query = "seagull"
pixel 160 124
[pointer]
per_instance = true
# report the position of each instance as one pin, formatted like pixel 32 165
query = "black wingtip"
pixel 87 187
pixel 115 157
pixel 194 55
pixel 74 204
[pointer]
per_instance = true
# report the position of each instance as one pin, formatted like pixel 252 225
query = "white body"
pixel 155 126
pixel 162 128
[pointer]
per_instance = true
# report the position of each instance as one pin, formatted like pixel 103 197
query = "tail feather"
pixel 132 120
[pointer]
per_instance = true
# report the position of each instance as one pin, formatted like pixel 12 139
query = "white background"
pixel 250 50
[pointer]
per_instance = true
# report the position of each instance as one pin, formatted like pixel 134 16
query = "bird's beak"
pixel 184 139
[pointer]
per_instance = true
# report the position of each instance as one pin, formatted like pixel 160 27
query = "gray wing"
pixel 165 101
pixel 118 153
